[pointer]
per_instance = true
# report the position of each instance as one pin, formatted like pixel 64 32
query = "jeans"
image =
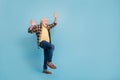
pixel 48 52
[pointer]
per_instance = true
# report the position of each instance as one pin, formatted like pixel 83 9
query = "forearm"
pixel 54 23
pixel 31 29
pixel 55 19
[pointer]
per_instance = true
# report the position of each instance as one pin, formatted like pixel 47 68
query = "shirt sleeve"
pixel 52 25
pixel 33 29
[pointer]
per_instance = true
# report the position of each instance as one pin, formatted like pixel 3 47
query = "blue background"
pixel 87 39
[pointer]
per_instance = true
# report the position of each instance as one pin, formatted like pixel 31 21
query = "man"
pixel 44 40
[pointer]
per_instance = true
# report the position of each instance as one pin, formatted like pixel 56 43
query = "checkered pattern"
pixel 38 28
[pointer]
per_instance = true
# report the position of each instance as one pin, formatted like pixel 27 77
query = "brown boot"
pixel 51 65
pixel 47 72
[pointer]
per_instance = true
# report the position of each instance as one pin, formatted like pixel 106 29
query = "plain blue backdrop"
pixel 86 39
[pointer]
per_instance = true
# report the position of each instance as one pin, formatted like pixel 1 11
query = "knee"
pixel 52 47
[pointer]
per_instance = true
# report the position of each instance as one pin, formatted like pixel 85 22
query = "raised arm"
pixel 55 21
pixel 32 28
pixel 55 17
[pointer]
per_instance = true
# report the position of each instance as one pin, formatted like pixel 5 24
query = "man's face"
pixel 45 21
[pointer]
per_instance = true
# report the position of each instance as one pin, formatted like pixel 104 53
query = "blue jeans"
pixel 48 52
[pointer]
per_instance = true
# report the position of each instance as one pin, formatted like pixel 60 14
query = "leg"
pixel 48 50
pixel 45 60
pixel 45 63
pixel 48 53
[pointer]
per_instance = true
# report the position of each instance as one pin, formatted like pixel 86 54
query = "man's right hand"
pixel 32 22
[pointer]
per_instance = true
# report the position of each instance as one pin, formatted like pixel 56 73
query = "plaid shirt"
pixel 38 28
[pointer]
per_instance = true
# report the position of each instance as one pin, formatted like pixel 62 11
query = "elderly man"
pixel 44 40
